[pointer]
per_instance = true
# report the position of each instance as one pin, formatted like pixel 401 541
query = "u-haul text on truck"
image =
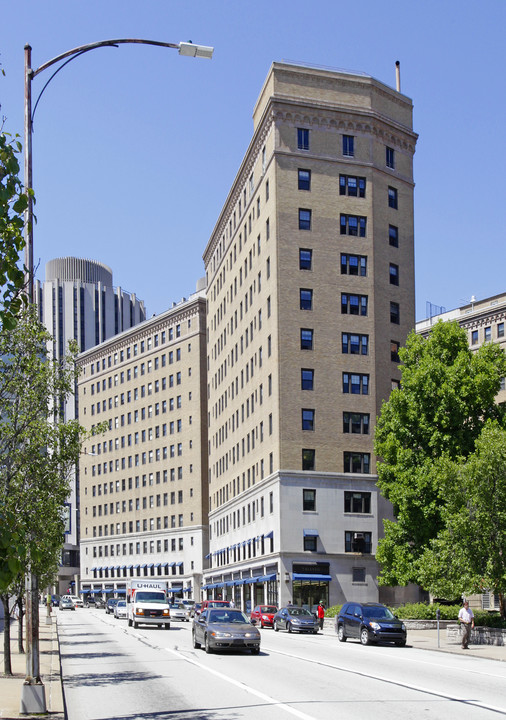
pixel 147 603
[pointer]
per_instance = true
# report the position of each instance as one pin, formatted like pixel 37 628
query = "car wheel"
pixel 400 643
pixel 276 628
pixel 255 651
pixel 364 637
pixel 167 626
pixel 129 623
pixel 196 644
pixel 261 625
pixel 136 624
pixel 340 634
pixel 289 627
pixel 207 647
pixel 315 631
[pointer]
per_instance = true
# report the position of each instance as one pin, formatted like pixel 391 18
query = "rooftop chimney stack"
pixel 398 75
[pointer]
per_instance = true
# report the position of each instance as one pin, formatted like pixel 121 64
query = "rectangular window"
pixel 474 337
pixel 357 502
pixel 357 462
pixel 306 339
pixel 306 299
pixel 304 179
pixel 394 351
pixel 354 344
pixel 358 575
pixel 488 334
pixel 394 274
pixel 304 219
pixel 348 145
pixel 302 139
pixel 353 265
pixel 305 259
pixel 308 459
pixel 390 157
pixel 352 186
pixel 357 542
pixel 500 330
pixel 392 198
pixel 356 423
pixel 395 313
pixel 309 500
pixel 393 235
pixel 353 304
pixel 308 419
pixel 354 225
pixel 355 383
pixel 307 379
pixel 310 543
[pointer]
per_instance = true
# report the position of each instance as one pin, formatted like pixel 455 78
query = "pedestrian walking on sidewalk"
pixel 466 620
pixel 321 614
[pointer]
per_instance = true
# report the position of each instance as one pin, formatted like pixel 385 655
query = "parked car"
pixel 55 600
pixel 90 601
pixel 196 609
pixel 120 609
pixel 225 628
pixel 264 615
pixel 109 606
pixel 66 603
pixel 214 604
pixel 369 622
pixel 188 604
pixel 295 619
pixel 78 601
pixel 99 603
pixel 178 611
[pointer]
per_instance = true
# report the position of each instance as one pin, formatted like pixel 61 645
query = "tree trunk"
pixel 7 636
pixel 502 606
pixel 21 614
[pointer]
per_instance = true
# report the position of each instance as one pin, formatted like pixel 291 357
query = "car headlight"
pixel 221 634
pixel 265 617
pixel 139 611
pixel 403 627
pixel 251 634
pixel 166 612
pixel 375 625
pixel 295 620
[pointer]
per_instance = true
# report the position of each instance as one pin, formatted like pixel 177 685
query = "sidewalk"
pixel 10 687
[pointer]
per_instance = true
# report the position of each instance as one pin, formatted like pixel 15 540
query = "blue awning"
pixel 175 589
pixel 116 567
pixel 206 557
pixel 178 564
pixel 188 589
pixel 130 567
pixel 158 565
pixel 136 567
pixel 266 578
pixel 302 576
pixel 120 591
pixel 269 535
pixel 165 564
pixel 311 533
pixel 151 565
pixel 144 566
pixel 123 567
pixel 172 564
pixel 230 583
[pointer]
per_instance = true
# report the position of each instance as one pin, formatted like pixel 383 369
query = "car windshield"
pixel 296 611
pixel 377 612
pixel 227 616
pixel 151 597
pixel 121 603
pixel 268 608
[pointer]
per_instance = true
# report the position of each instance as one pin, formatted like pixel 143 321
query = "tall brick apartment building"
pixel 310 292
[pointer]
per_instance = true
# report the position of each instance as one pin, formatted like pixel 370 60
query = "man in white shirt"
pixel 466 619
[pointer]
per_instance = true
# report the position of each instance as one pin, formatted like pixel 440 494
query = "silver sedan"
pixel 225 629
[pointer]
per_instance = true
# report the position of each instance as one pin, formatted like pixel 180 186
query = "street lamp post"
pixel 33 694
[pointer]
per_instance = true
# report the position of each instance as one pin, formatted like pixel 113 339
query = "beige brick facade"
pixel 143 483
pixel 280 269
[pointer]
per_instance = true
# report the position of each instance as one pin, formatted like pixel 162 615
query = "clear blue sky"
pixel 135 148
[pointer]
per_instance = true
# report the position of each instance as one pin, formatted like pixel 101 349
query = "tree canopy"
pixel 447 395
pixel 38 449
pixel 13 202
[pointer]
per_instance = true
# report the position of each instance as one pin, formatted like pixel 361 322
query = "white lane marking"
pixel 267 698
pixel 403 658
pixel 409 686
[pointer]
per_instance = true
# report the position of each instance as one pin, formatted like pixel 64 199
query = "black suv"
pixel 369 622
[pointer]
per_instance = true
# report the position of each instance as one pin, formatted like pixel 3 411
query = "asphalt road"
pixel 112 671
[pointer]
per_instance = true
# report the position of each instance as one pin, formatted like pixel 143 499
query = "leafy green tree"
pixel 469 553
pixel 38 450
pixel 447 394
pixel 13 202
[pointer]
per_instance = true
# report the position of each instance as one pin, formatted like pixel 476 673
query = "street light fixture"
pixel 33 698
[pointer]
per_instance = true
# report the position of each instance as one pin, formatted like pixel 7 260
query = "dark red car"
pixel 264 615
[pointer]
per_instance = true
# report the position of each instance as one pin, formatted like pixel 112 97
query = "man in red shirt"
pixel 321 614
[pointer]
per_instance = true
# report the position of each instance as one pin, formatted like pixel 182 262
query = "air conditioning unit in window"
pixel 358 536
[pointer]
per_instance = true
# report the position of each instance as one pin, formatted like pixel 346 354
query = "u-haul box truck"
pixel 147 602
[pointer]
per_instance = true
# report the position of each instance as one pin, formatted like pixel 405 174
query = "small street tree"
pixel 447 394
pixel 469 553
pixel 38 449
